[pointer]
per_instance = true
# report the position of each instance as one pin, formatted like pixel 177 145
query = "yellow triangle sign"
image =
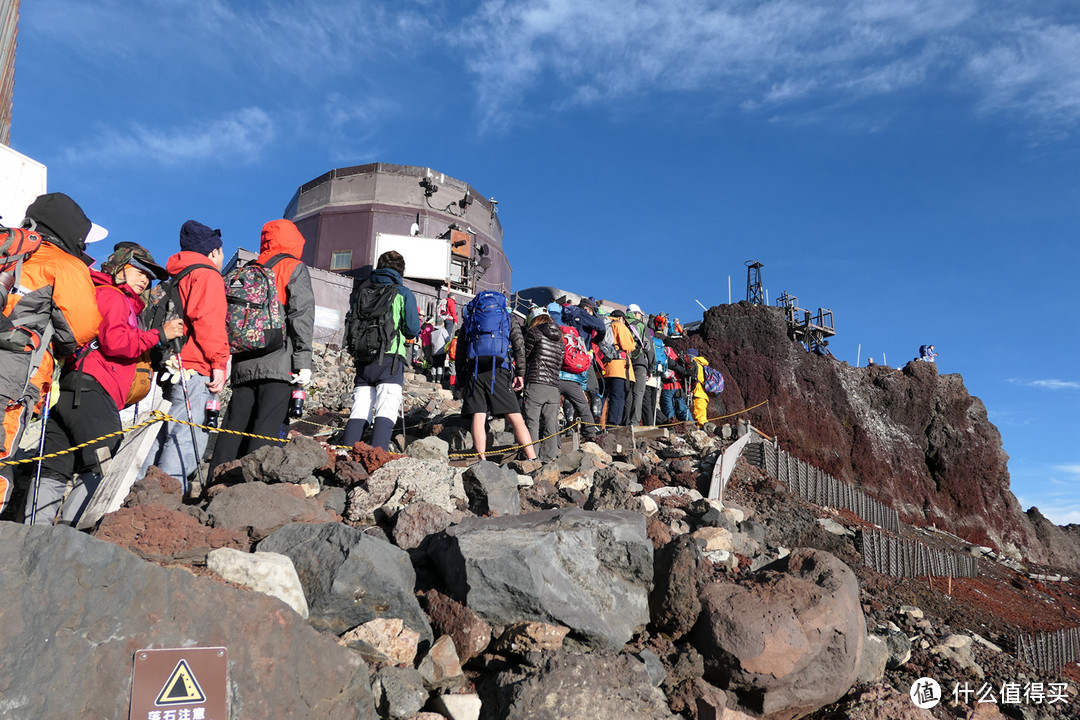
pixel 181 688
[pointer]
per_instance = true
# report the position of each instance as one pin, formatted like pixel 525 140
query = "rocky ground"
pixel 356 583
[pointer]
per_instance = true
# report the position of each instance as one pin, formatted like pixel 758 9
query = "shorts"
pixel 478 397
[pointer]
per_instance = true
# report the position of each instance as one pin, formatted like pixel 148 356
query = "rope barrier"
pixel 158 416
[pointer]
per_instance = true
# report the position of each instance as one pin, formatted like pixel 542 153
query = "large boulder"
pixel 155 532
pixel 492 489
pixel 397 482
pixel 788 640
pixel 589 571
pixel 75 609
pixel 679 576
pixel 569 686
pixel 349 577
pixel 294 462
pixel 258 509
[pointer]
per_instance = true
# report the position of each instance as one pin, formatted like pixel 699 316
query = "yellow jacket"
pixel 699 386
pixel 625 342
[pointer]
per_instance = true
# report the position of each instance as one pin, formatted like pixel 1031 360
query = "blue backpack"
pixel 661 356
pixel 487 330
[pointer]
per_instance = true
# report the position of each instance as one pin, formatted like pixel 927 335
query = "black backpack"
pixel 370 324
pixel 165 304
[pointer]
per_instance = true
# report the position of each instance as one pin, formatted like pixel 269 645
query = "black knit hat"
pixel 196 237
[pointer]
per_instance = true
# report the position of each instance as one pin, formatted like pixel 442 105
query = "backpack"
pixel 661 356
pixel 607 345
pixel 637 331
pixel 16 245
pixel 255 317
pixel 166 304
pixel 487 330
pixel 576 358
pixel 713 380
pixel 370 325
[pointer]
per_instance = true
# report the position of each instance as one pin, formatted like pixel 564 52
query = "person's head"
pixel 635 311
pixel 618 315
pixel 131 264
pixel 196 237
pixel 63 220
pixel 391 260
pixel 541 319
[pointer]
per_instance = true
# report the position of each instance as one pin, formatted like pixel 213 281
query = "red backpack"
pixel 576 358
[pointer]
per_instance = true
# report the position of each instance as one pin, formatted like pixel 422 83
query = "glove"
pixel 171 373
pixel 302 377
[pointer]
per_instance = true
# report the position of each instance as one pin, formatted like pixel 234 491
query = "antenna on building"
pixel 754 293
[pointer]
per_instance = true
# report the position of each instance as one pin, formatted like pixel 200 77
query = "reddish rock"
pixel 156 488
pixel 657 531
pixel 372 458
pixel 871 426
pixel 418 520
pixel 158 533
pixel 651 482
pixel 470 634
pixel 786 641
pixel 349 473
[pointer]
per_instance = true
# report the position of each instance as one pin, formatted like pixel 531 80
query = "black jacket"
pixel 543 354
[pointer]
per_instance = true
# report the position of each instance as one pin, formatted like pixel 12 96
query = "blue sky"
pixel 910 164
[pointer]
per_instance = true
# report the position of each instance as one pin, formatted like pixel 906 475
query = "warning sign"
pixel 188 683
pixel 181 688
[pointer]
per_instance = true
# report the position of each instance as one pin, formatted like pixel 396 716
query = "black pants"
pixel 96 415
pixel 259 407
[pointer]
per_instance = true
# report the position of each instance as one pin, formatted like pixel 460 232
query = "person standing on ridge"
pixel 202 359
pixel 643 359
pixel 382 316
pixel 54 296
pixel 262 385
pixel 98 385
pixel 618 371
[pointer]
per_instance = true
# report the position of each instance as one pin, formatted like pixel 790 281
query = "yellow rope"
pixel 158 416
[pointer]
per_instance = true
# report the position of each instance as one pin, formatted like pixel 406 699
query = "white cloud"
pixel 1070 469
pixel 1049 384
pixel 235 137
pixel 761 55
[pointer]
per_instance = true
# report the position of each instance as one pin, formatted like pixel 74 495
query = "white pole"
pixel 858 356
pixel 728 289
pixel 884 360
pixel 766 296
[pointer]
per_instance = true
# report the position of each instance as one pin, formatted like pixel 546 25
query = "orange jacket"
pixel 625 342
pixel 203 294
pixel 58 284
pixel 281 236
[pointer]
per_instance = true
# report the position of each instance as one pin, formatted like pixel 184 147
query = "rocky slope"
pixel 352 583
pixel 909 436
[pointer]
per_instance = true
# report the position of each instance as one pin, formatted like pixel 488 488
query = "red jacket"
pixel 120 341
pixel 203 295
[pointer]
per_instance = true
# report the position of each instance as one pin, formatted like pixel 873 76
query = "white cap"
pixel 634 308
pixel 96 233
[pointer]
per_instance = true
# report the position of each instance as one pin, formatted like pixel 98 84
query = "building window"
pixel 341 260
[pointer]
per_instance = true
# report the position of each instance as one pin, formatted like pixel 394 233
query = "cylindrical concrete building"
pixel 350 214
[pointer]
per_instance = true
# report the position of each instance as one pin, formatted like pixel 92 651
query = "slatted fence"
pixel 906 557
pixel 1049 651
pixel 814 485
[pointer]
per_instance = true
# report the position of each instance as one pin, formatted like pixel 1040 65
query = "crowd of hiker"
pixel 79 345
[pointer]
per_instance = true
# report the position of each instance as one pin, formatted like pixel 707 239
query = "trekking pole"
pixel 41 452
pixel 191 426
pixel 404 437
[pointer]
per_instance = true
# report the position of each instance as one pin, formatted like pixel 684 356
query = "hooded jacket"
pixel 55 286
pixel 202 292
pixel 543 354
pixel 293 282
pixel 622 367
pixel 120 341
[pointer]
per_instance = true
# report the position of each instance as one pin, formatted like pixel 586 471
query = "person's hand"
pixel 217 380
pixel 173 329
pixel 301 377
pixel 518 383
pixel 171 373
